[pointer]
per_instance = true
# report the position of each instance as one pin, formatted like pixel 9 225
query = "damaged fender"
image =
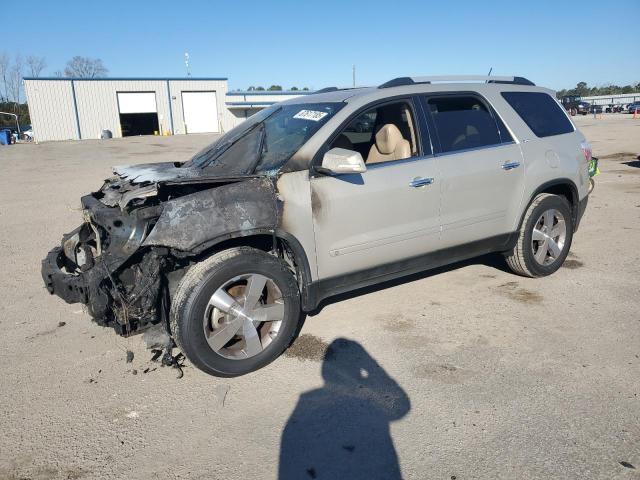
pixel 193 222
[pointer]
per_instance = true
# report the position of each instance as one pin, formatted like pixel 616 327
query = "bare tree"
pixel 36 65
pixel 4 76
pixel 15 81
pixel 84 67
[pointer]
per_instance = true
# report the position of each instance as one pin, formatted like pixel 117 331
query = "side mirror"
pixel 340 160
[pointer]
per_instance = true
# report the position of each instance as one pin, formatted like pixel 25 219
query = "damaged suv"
pixel 304 200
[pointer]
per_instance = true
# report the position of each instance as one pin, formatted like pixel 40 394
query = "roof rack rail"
pixel 327 89
pixel 516 81
pixel 400 81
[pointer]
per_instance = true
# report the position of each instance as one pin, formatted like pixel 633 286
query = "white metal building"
pixel 76 109
pixel 242 105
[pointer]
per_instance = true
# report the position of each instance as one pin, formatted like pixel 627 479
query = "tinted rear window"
pixel 540 112
pixel 464 122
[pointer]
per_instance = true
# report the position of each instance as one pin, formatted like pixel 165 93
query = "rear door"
pixel 388 213
pixel 482 175
pixel 553 145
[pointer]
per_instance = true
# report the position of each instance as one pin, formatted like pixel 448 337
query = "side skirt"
pixel 325 288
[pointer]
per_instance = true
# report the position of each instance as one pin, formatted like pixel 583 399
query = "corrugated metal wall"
pixel 98 104
pixel 51 108
pixel 218 86
pixel 53 111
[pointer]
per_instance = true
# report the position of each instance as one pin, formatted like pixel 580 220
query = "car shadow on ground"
pixel 493 260
pixel 633 163
pixel 342 430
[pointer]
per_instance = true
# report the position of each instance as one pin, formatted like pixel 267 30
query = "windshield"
pixel 264 142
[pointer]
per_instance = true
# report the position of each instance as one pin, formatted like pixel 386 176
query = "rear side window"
pixel 540 112
pixel 464 122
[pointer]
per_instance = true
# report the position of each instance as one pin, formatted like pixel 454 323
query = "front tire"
pixel 544 239
pixel 236 311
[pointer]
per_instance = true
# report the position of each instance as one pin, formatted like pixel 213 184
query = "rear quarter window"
pixel 540 112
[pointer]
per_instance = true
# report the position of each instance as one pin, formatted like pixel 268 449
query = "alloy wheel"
pixel 244 316
pixel 548 237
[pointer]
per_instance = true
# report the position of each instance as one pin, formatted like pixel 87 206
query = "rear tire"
pixel 544 239
pixel 193 309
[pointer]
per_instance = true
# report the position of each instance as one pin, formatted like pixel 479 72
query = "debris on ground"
pixel 220 392
pixel 129 356
pixel 134 371
pixel 627 465
pixel 156 354
pixel 62 324
pixel 177 362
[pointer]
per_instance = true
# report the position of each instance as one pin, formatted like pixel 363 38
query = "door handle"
pixel 510 165
pixel 420 182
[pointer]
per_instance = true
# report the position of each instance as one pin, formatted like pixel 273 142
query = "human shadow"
pixel 341 430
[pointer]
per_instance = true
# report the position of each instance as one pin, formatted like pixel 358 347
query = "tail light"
pixel 586 150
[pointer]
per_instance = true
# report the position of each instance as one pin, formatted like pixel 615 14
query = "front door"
pixel 386 214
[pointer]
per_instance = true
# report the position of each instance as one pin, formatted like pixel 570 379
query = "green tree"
pixel 275 88
pixel 294 89
pixel 260 89
pixel 582 89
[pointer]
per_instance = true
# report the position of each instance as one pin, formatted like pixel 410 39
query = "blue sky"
pixel 314 44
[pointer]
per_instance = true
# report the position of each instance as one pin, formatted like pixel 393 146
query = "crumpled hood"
pixel 131 182
pixel 155 172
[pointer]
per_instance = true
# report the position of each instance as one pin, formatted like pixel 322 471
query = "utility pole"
pixel 354 76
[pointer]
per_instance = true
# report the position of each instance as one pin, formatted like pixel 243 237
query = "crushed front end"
pixel 103 264
pixel 142 230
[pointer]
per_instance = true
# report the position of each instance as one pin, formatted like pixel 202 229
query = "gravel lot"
pixel 472 372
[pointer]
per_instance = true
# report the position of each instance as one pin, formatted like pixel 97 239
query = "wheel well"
pixel 562 189
pixel 286 247
pixel 262 242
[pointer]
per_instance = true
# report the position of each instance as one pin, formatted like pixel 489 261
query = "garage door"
pixel 200 112
pixel 138 113
pixel 137 102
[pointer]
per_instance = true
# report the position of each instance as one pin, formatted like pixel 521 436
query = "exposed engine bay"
pixel 142 229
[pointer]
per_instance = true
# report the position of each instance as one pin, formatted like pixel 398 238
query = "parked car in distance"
pixel 574 105
pixel 230 250
pixel 26 131
pixel 633 107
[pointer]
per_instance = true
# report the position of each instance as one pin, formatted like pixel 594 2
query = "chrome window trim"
pixel 473 149
pixel 402 161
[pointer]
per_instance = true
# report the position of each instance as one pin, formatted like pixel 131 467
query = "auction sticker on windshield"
pixel 312 115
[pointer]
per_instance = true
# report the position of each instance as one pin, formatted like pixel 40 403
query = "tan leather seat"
pixel 390 145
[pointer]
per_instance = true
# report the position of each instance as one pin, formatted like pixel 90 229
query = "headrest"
pixel 388 138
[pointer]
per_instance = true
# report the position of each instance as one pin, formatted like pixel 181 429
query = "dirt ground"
pixel 466 372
